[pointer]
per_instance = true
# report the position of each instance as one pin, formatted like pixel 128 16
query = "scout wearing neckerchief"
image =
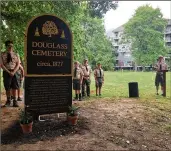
pixel 99 79
pixel 160 65
pixel 86 80
pixel 77 80
pixel 10 62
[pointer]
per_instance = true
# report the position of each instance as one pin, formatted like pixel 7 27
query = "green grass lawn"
pixel 116 88
pixel 116 85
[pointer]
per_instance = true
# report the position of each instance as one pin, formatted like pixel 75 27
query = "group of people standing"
pixel 82 79
pixel 13 74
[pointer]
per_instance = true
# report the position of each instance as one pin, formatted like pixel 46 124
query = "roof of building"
pixel 119 29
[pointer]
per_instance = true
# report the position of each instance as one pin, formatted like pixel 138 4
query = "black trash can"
pixel 133 89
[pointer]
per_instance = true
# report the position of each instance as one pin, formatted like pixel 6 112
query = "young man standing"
pixel 77 80
pixel 99 79
pixel 86 80
pixel 10 64
pixel 161 65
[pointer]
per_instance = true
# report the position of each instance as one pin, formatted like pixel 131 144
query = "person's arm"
pixel 2 65
pixel 156 67
pixel 95 75
pixel 82 75
pixel 22 71
pixel 83 69
pixel 166 67
pixel 17 65
pixel 4 68
pixel 21 67
pixel 90 72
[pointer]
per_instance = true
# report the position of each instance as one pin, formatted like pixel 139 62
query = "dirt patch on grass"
pixel 103 125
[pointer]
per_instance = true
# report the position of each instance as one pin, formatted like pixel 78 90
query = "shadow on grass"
pixel 43 130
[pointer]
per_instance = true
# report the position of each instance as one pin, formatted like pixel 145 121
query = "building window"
pixel 116 34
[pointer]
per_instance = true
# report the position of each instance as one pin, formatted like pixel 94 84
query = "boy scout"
pixel 77 80
pixel 20 73
pixel 86 79
pixel 10 64
pixel 161 65
pixel 99 78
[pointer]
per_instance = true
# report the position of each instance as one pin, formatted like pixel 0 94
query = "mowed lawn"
pixel 116 84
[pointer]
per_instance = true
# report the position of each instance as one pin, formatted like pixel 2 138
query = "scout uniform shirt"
pixel 77 73
pixel 86 70
pixel 99 73
pixel 161 66
pixel 12 64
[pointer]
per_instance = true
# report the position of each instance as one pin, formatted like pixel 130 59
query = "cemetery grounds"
pixel 110 122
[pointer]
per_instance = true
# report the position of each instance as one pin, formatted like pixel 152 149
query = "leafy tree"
pixel 16 15
pixel 96 46
pixel 89 37
pixel 99 8
pixel 145 29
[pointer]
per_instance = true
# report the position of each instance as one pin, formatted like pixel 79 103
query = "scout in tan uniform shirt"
pixel 20 76
pixel 77 80
pixel 161 65
pixel 86 80
pixel 99 78
pixel 20 73
pixel 10 65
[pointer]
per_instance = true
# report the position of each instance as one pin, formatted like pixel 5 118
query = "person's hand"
pixel 22 78
pixel 158 70
pixel 12 74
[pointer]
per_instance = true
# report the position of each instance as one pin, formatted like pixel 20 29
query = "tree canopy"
pixel 146 31
pixel 84 18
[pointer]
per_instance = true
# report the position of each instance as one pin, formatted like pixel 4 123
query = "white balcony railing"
pixel 116 44
pixel 168 39
pixel 168 32
pixel 115 37
pixel 123 50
